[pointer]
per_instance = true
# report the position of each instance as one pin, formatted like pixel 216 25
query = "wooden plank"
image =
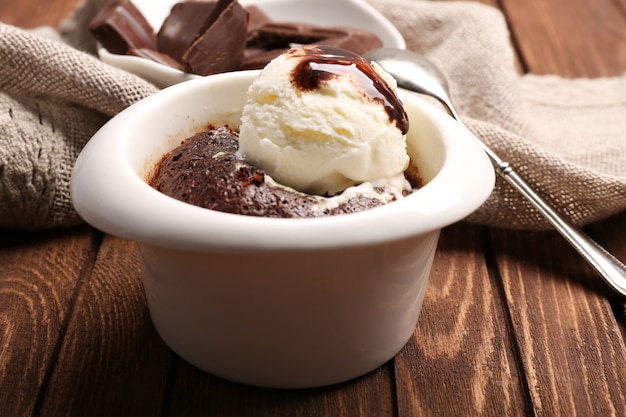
pixel 112 362
pixel 30 14
pixel 573 38
pixel 199 394
pixel 39 274
pixel 460 360
pixel 572 352
pixel 610 234
pixel 574 357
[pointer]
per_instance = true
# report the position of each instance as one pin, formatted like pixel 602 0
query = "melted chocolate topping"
pixel 320 63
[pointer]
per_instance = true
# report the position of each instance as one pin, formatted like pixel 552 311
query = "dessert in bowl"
pixel 276 302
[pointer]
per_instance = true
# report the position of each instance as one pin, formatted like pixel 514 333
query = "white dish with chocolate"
pixel 345 23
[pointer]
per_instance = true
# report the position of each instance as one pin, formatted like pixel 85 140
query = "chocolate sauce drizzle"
pixel 321 63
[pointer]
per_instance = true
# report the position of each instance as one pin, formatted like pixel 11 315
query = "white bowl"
pixel 275 302
pixel 350 13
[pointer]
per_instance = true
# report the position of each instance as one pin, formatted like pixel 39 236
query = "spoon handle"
pixel 608 267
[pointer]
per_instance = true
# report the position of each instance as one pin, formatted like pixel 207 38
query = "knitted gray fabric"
pixel 53 98
pixel 566 137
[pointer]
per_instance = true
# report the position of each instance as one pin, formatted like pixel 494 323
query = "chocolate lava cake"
pixel 207 171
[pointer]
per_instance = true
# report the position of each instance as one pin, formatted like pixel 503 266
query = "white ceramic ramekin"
pixel 283 303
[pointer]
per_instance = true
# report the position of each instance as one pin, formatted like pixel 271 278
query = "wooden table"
pixel 514 323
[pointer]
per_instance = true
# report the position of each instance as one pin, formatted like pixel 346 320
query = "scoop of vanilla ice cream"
pixel 319 120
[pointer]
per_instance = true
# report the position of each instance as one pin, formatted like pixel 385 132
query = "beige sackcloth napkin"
pixel 566 137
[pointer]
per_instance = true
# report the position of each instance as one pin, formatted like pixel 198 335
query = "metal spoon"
pixel 414 72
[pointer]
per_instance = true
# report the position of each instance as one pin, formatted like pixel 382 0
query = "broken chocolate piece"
pixel 156 56
pixel 185 23
pixel 275 35
pixel 257 17
pixel 220 48
pixel 120 26
pixel 258 58
pixel 357 41
pixel 282 34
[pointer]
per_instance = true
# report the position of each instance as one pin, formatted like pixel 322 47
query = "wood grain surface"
pixel 40 279
pixel 514 323
pixel 33 13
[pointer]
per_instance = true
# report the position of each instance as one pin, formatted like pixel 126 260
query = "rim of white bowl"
pixel 110 194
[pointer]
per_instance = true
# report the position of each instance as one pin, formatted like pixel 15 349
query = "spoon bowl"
pixel 416 73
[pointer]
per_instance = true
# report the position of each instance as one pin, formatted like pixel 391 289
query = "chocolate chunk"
pixel 357 41
pixel 120 26
pixel 282 34
pixel 258 58
pixel 220 48
pixel 156 56
pixel 256 17
pixel 185 23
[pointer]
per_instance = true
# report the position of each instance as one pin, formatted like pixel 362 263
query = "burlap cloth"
pixel 567 137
